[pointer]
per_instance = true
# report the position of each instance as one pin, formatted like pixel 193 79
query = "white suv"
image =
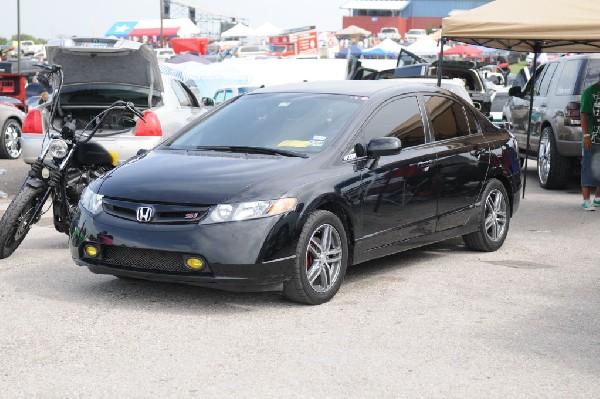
pixel 389 33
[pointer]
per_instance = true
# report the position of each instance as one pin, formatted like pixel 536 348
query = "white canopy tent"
pixel 267 29
pixel 239 30
pixel 424 46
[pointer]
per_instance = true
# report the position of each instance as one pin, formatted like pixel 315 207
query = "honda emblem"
pixel 144 214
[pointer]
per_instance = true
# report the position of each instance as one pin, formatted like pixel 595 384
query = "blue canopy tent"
pixel 354 50
pixel 377 52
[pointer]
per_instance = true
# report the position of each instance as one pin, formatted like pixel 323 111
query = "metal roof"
pixel 375 5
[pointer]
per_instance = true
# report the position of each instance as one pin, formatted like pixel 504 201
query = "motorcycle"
pixel 67 163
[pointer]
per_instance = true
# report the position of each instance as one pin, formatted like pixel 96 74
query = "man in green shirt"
pixel 590 164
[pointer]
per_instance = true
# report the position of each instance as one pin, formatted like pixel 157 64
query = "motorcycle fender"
pixel 34 182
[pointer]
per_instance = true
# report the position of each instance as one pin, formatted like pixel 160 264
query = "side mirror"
pixel 208 102
pixel 515 91
pixel 382 146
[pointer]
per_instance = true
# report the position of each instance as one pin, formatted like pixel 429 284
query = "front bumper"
pixel 244 255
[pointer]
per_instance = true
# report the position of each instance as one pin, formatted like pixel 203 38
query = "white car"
pixel 414 34
pixel 99 71
pixel 163 54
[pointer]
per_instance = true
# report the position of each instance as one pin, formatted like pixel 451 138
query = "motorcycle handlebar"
pixel 53 68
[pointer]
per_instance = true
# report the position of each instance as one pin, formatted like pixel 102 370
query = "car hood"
pixel 105 60
pixel 195 177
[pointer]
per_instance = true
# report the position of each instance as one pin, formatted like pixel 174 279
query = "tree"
pixel 25 36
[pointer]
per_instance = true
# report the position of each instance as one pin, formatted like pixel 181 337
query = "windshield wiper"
pixel 254 150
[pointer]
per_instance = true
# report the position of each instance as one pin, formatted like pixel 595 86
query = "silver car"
pixel 99 71
pixel 11 120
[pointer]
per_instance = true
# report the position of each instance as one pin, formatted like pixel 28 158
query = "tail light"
pixel 33 122
pixel 151 127
pixel 572 114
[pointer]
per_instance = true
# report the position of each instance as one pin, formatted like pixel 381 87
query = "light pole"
pixel 19 37
pixel 162 15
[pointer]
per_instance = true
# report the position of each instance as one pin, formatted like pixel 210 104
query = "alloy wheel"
pixel 11 140
pixel 323 258
pixel 495 215
pixel 544 158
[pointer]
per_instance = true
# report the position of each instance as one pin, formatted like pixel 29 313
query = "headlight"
pixel 249 210
pixel 58 148
pixel 90 201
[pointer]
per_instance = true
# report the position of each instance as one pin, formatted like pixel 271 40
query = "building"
pixel 373 15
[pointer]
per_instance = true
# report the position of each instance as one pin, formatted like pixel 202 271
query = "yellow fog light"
pixel 91 251
pixel 194 263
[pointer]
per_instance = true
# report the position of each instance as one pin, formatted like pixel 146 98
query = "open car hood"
pixel 105 60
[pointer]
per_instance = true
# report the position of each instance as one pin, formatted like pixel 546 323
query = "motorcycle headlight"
pixel 90 201
pixel 58 148
pixel 249 210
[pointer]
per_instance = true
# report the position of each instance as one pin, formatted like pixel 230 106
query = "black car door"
pixel 462 158
pixel 398 194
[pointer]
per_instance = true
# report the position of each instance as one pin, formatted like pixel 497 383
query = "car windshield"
pixel 298 122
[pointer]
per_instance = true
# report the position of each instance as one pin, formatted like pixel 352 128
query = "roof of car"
pixel 348 87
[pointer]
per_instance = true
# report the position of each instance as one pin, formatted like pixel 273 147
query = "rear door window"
pixel 448 119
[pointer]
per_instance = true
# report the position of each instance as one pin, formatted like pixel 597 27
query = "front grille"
pixel 161 213
pixel 146 259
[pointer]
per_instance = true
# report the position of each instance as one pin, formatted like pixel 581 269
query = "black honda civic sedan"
pixel 287 186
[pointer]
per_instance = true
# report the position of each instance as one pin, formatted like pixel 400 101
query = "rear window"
pixel 592 74
pixel 567 83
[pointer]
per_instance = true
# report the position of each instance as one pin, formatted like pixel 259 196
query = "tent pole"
pixel 537 50
pixel 440 61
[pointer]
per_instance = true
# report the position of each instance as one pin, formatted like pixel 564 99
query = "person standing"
pixel 590 125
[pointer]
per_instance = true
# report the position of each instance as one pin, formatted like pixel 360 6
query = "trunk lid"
pixel 105 60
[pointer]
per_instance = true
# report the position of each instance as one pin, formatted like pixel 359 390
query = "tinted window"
pixel 397 118
pixel 299 122
pixel 568 78
pixel 447 118
pixel 547 78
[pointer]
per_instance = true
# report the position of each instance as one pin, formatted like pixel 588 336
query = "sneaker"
pixel 596 202
pixel 587 206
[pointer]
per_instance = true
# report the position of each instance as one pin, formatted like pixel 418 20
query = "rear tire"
pixel 495 220
pixel 554 170
pixel 14 221
pixel 321 260
pixel 10 144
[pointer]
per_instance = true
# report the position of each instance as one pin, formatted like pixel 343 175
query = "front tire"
pixel 13 225
pixel 10 144
pixel 554 170
pixel 321 260
pixel 495 220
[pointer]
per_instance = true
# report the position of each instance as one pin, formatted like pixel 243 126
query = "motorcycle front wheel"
pixel 18 218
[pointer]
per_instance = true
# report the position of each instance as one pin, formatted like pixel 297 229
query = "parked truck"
pixel 298 43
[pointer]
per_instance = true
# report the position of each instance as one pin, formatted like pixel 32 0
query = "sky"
pixel 53 18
